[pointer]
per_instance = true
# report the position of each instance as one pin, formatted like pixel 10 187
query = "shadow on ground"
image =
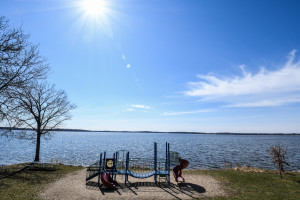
pixel 183 189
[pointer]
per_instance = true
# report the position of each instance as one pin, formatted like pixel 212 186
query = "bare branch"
pixel 20 63
pixel 279 157
pixel 40 107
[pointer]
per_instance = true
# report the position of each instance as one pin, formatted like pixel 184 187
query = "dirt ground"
pixel 73 187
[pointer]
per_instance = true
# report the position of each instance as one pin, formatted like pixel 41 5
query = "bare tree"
pixel 20 62
pixel 279 157
pixel 42 108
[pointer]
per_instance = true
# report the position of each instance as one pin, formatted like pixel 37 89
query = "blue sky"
pixel 171 65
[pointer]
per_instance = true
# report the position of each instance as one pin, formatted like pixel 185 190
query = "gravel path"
pixel 72 187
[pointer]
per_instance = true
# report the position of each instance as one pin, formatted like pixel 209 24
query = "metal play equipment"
pixel 121 164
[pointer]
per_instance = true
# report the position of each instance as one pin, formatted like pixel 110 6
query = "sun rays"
pixel 96 15
pixel 94 8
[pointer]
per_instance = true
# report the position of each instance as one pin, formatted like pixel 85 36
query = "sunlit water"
pixel 203 151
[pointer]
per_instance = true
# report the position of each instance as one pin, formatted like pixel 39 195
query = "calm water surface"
pixel 203 151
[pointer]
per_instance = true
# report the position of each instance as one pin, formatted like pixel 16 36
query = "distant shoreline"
pixel 170 132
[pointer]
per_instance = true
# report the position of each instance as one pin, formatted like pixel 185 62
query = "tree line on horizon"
pixel 27 100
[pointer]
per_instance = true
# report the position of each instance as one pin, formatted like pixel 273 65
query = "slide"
pixel 107 180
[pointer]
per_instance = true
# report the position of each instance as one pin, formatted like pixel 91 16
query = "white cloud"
pixel 262 103
pixel 138 108
pixel 123 57
pixel 265 88
pixel 128 66
pixel 141 106
pixel 186 112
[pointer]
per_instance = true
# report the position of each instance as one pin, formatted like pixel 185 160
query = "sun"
pixel 94 8
pixel 96 15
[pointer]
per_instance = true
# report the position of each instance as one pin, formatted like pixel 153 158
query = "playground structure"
pixel 121 164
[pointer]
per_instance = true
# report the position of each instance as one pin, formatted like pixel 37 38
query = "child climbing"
pixel 177 170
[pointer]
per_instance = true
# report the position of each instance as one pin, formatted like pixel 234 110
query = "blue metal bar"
pixel 155 162
pixel 104 162
pixel 114 167
pixel 116 163
pixel 100 162
pixel 166 165
pixel 117 157
pixel 127 166
pixel 169 163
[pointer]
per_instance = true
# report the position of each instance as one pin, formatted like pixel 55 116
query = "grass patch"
pixel 27 184
pixel 241 184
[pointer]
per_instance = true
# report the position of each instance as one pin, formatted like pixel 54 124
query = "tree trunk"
pixel 280 170
pixel 38 144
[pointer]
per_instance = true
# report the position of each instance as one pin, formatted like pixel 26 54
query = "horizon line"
pixel 178 132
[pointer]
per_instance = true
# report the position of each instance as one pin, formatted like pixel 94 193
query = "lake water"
pixel 203 151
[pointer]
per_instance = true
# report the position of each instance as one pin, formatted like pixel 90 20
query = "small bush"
pixel 279 153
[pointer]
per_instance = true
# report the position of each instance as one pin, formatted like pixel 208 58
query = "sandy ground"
pixel 73 187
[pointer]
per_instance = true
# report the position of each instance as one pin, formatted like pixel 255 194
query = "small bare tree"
pixel 42 108
pixel 20 63
pixel 279 157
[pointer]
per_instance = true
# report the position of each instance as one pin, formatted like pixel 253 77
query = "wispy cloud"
pixel 267 103
pixel 123 57
pixel 187 112
pixel 128 66
pixel 265 88
pixel 141 106
pixel 138 108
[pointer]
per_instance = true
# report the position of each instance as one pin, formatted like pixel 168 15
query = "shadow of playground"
pixel 193 187
pixel 188 189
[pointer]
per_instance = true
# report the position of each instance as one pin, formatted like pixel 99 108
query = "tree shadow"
pixel 13 171
pixel 291 174
pixel 33 177
pixel 27 176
